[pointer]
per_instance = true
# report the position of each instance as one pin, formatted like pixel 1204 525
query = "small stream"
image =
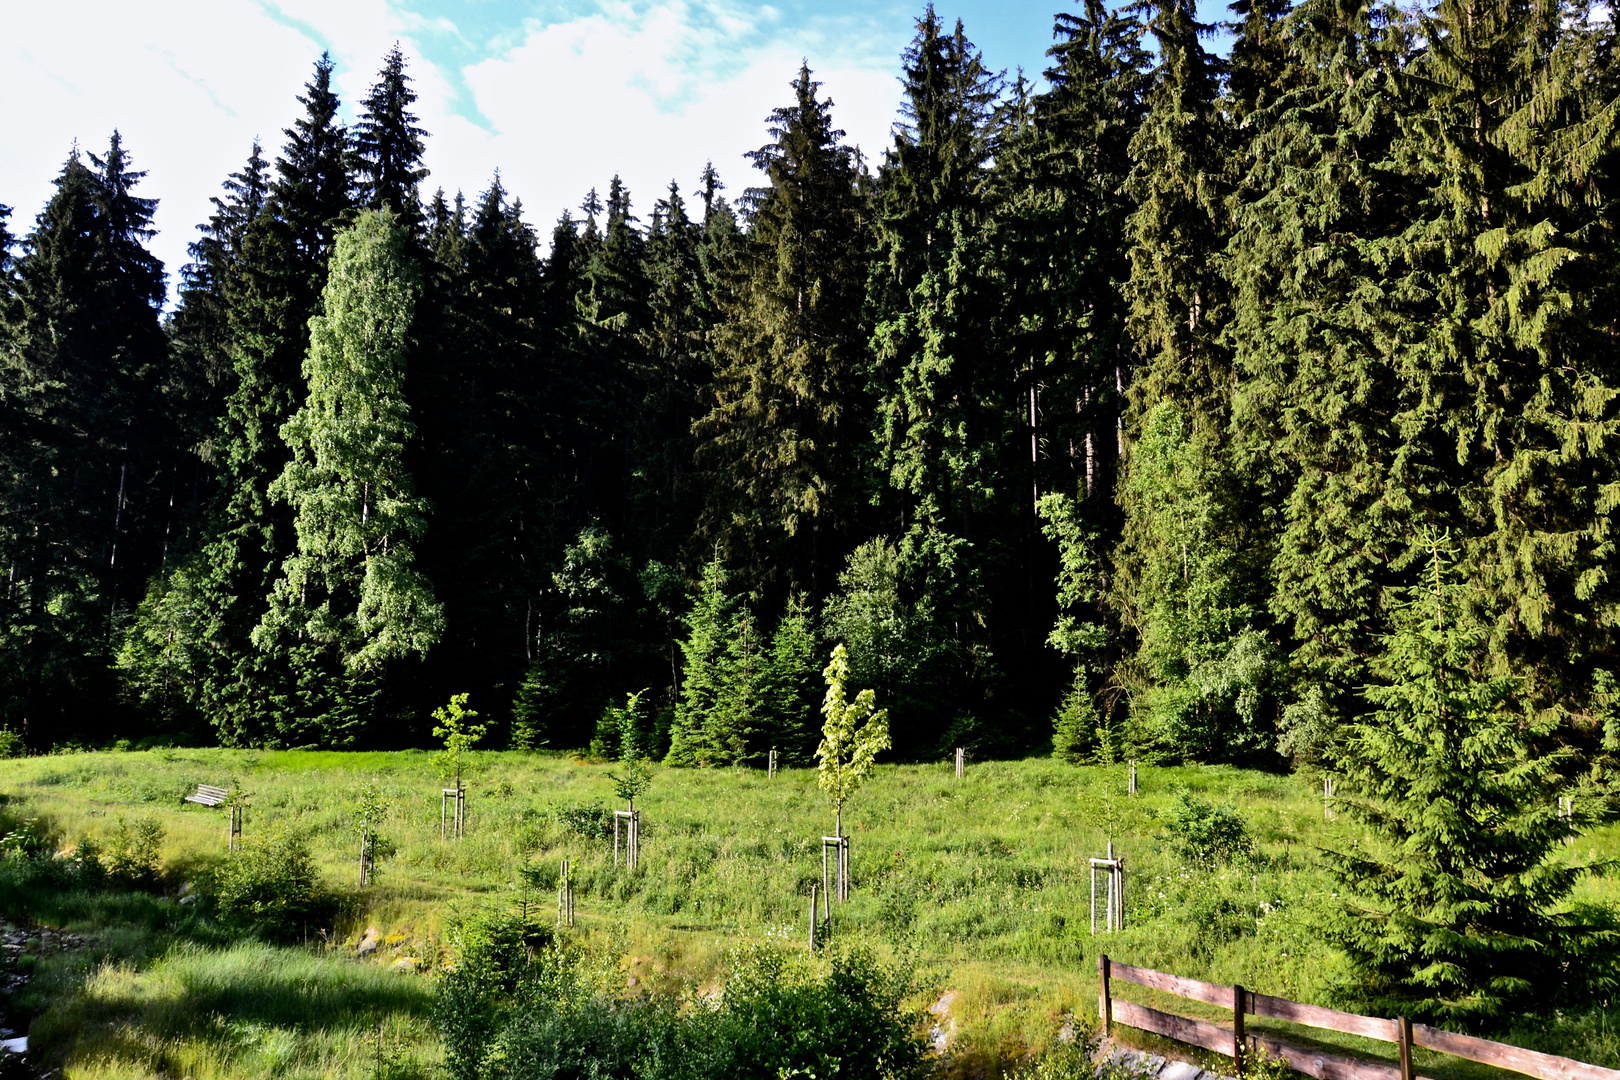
pixel 21 948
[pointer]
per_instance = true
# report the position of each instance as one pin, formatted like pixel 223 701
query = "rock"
pixel 939 1035
pixel 369 943
pixel 1181 1070
pixel 406 964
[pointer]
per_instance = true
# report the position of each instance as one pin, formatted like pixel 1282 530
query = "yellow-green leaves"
pixel 854 734
pixel 352 584
pixel 459 733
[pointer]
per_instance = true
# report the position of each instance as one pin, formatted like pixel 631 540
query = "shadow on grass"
pixel 160 984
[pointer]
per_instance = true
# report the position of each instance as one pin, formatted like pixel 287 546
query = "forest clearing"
pixel 979 885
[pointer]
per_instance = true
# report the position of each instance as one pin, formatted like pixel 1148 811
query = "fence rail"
pixel 1235 1043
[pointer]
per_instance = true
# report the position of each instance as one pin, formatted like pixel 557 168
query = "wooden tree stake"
pixel 452 812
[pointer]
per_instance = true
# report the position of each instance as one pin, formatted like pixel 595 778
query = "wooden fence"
pixel 1234 1042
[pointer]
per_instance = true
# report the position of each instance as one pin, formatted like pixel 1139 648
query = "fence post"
pixel 1133 777
pixel 1403 1035
pixel 1105 1006
pixel 961 765
pixel 1239 1007
pixel 813 887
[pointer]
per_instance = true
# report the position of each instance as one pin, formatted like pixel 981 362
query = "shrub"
pixel 133 853
pixel 519 1005
pixel 270 886
pixel 1209 836
pixel 495 954
pixel 779 1017
pixel 591 821
pixel 1215 920
pixel 11 744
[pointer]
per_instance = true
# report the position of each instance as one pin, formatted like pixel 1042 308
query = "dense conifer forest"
pixel 1193 407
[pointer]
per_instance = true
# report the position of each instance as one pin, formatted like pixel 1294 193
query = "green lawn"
pixel 983 880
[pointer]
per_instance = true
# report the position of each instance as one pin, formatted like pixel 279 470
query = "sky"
pixel 558 95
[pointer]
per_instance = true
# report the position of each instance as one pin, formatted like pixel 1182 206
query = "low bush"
pixel 133 853
pixel 11 744
pixel 1208 836
pixel 591 820
pixel 523 1006
pixel 270 887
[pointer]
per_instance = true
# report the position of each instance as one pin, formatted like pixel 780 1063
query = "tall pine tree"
pixel 779 444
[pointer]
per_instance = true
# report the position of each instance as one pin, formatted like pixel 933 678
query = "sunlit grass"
pixel 983 881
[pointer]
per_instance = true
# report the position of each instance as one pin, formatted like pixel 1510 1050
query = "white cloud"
pixel 650 91
pixel 644 97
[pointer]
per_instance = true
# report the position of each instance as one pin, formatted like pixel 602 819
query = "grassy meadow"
pixel 981 884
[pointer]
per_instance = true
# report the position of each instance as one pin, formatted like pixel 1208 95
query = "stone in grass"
pixel 369 943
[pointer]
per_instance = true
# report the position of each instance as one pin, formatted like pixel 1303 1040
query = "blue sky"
pixel 558 94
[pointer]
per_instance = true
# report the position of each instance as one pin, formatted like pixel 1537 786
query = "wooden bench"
pixel 208 795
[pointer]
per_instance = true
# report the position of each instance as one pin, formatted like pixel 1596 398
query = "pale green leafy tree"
pixel 455 726
pixel 352 584
pixel 854 733
pixel 370 809
pixel 637 775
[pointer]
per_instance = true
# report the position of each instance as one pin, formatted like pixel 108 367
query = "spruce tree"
pixel 1434 347
pixel 314 185
pixel 85 440
pixel 1260 69
pixel 671 372
pixel 944 402
pixel 1178 226
pixel 200 330
pixel 251 694
pixel 778 446
pixel 703 650
pixel 1454 909
pixel 477 393
pixel 171 652
pixel 1319 406
pixel 53 590
pixel 1060 227
pixel 790 684
pixel 388 144
pixel 1516 267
